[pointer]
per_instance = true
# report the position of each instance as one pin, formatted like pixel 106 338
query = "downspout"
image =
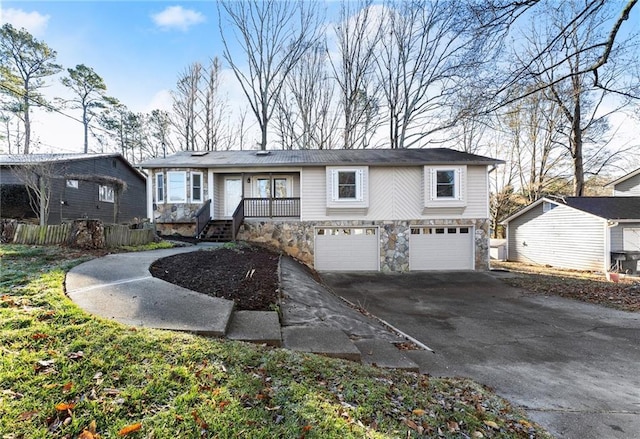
pixel 607 244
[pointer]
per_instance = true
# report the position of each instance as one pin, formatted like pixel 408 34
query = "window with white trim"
pixel 106 194
pixel 72 184
pixel 346 187
pixel 196 187
pixel 177 187
pixel 445 186
pixel 160 187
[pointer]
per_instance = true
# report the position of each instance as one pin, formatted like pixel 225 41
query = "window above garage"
pixel 445 186
pixel 347 187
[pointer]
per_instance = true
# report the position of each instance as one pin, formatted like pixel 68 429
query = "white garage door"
pixel 346 249
pixel 441 248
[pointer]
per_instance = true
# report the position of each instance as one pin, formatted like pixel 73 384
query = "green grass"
pixel 185 386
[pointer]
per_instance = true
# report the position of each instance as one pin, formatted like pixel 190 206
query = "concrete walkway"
pixel 120 287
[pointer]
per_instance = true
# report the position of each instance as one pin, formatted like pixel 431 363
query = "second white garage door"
pixel 347 249
pixel 441 248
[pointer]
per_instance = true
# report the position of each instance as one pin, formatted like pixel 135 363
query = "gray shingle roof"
pixel 613 208
pixel 16 159
pixel 315 157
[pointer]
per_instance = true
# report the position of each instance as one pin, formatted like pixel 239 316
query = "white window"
pixel 196 187
pixel 631 239
pixel 177 187
pixel 160 188
pixel 72 184
pixel 445 186
pixel 105 193
pixel 346 187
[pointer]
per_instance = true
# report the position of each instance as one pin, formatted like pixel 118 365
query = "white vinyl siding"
pixel 562 237
pixel 395 193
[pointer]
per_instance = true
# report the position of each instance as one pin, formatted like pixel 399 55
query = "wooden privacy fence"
pixel 114 235
pixel 41 235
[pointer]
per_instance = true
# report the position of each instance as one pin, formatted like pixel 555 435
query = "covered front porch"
pixel 236 196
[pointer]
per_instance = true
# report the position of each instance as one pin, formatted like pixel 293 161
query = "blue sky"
pixel 138 47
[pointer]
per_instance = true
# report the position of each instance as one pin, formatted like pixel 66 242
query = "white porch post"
pixel 150 177
pixel 211 191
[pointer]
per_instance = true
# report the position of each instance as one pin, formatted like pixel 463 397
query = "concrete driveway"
pixel 574 367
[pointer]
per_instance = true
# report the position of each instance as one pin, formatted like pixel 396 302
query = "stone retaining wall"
pixel 297 238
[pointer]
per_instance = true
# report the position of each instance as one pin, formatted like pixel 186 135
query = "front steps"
pixel 218 231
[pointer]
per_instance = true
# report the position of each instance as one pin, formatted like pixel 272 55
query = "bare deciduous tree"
pixel 582 104
pixel 273 35
pixel 38 178
pixel 185 106
pixel 306 117
pixel 428 51
pixel 357 35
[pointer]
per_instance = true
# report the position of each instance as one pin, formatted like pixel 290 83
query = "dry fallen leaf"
pixel 67 387
pixel 25 416
pixel 130 429
pixel 61 407
pixel 492 425
pixel 418 412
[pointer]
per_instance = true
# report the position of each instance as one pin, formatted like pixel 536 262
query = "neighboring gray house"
pixel 583 233
pixel 627 186
pixel 96 186
pixel 378 209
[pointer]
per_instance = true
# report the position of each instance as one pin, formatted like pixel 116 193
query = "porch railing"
pixel 271 207
pixel 238 218
pixel 203 215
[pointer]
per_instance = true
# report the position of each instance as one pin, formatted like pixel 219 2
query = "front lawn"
pixel 67 374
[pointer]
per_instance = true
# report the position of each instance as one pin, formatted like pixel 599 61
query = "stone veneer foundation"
pixel 297 238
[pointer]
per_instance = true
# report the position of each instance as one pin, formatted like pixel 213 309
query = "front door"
pixel 232 195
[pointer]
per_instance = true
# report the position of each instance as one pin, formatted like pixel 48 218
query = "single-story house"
pixel 95 186
pixel 627 185
pixel 583 233
pixel 376 209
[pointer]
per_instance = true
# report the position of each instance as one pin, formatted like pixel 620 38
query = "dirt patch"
pixel 248 275
pixel 579 285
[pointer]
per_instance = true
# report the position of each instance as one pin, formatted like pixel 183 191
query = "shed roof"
pixel 315 157
pixel 612 208
pixel 609 208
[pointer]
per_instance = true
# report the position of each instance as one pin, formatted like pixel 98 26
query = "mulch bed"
pixel 248 275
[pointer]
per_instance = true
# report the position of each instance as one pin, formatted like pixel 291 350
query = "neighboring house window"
pixel 446 186
pixel 347 186
pixel 177 187
pixel 196 187
pixel 72 184
pixel 105 193
pixel 160 188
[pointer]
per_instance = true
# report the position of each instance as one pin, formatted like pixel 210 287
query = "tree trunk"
pixel 27 122
pixel 86 129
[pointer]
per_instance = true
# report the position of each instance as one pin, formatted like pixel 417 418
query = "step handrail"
pixel 203 216
pixel 238 219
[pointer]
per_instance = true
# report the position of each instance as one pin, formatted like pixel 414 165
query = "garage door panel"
pixel 355 250
pixel 437 248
